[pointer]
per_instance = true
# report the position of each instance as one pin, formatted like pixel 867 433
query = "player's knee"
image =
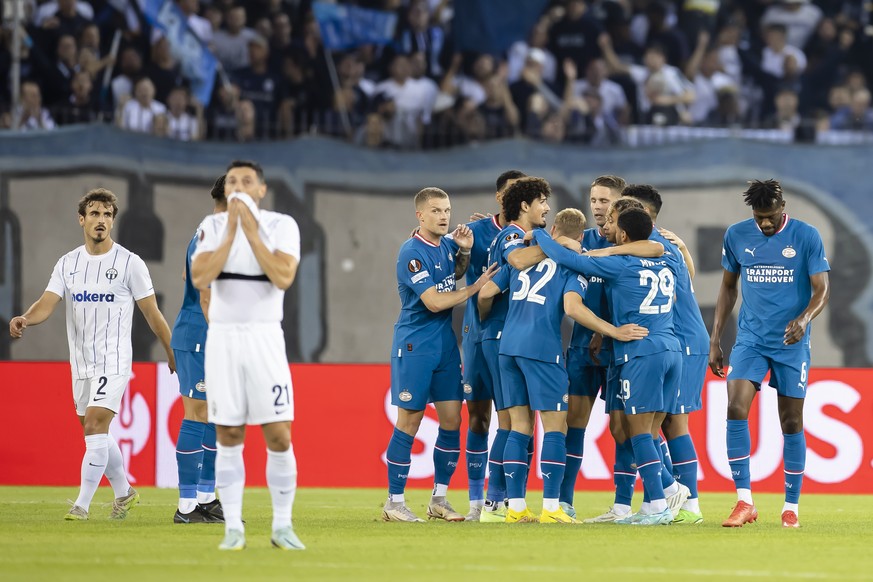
pixel 791 423
pixel 737 410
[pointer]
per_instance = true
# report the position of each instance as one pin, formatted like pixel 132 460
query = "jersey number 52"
pixel 663 282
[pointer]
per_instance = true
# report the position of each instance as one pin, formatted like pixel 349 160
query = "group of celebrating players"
pixel 639 341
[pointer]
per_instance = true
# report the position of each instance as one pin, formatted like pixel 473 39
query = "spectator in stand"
pixel 553 129
pixel 82 104
pixel 246 127
pixel 281 41
pixel 30 114
pixel 161 126
pixel 90 39
pixel 613 100
pixel 354 92
pixel 698 16
pixel 499 112
pixel 138 114
pixel 531 82
pixel 857 116
pixel 163 70
pixel 201 27
pixel 231 44
pixel 222 114
pixel 704 70
pixel 90 63
pixel 406 102
pixel 64 17
pixel 519 51
pixel 130 64
pixel 465 87
pixel 799 17
pixel 587 122
pixel 56 79
pixel 575 36
pixel 421 36
pixel 264 27
pixel 662 33
pixel 787 116
pixel 258 85
pixel 372 134
pixel 780 59
pixel 182 125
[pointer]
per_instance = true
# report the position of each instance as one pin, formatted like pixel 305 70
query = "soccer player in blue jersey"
pixel 478 384
pixel 425 362
pixel 680 458
pixel 533 375
pixel 195 446
pixel 642 292
pixel 784 273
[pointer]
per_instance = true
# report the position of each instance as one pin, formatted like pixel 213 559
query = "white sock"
pixel 396 498
pixel 477 503
pixel 230 480
pixel 692 505
pixel 658 505
pixel 282 481
pixel 646 507
pixel 745 495
pixel 517 504
pixel 550 504
pixel 440 490
pixel 115 471
pixel 791 507
pixel 93 466
pixel 621 509
pixel 204 497
pixel 187 505
pixel 671 489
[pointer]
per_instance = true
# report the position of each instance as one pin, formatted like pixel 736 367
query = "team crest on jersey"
pixel 111 273
pixel 468 389
pixel 405 396
pixel 414 266
pixel 566 398
pixel 200 386
pixel 789 253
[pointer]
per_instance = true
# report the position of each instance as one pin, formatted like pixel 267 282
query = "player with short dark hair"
pixel 425 362
pixel 785 284
pixel 100 282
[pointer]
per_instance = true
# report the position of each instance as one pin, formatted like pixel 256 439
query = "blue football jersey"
pixel 484 231
pixel 506 241
pixel 536 309
pixel 774 271
pixel 420 266
pixel 687 319
pixel 641 291
pixel 189 330
pixel 596 299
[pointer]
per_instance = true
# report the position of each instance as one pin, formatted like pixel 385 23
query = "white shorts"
pixel 103 391
pixel 247 374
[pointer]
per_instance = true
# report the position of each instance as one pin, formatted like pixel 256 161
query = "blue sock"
pixel 666 458
pixel 553 463
pixel 206 484
pixel 794 457
pixel 667 473
pixel 649 465
pixel 739 448
pixel 189 456
pixel 515 464
pixel 446 453
pixel 685 462
pixel 477 458
pixel 496 478
pixel 399 457
pixel 623 473
pixel 575 448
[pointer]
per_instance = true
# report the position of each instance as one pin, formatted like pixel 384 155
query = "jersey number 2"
pixel 530 293
pixel 662 281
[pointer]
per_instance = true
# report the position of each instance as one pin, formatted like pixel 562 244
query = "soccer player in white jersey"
pixel 249 256
pixel 99 281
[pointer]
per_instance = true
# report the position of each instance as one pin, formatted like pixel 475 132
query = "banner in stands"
pixel 344 418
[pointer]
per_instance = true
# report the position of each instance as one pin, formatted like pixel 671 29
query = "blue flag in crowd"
pixel 343 27
pixel 491 26
pixel 198 64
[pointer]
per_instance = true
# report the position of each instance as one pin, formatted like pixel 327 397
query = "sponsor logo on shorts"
pixel 468 389
pixel 789 253
pixel 200 386
pixel 405 396
pixel 566 398
pixel 111 274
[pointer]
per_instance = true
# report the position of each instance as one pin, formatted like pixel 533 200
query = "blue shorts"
pixel 585 379
pixel 189 368
pixel 611 394
pixel 477 377
pixel 491 354
pixel 540 385
pixel 651 383
pixel 789 369
pixel 417 380
pixel 691 386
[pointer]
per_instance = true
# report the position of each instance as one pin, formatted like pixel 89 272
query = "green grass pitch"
pixel 347 541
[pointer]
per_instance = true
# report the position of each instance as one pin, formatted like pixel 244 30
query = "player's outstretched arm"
pixel 579 312
pixel 153 316
pixel 36 314
pixel 648 249
pixel 683 248
pixel 565 257
pixel 436 302
pixel 486 299
pixel 463 237
pixel 724 305
pixel 521 259
pixel 821 292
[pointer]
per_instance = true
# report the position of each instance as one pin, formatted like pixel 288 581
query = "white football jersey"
pixel 99 291
pixel 242 293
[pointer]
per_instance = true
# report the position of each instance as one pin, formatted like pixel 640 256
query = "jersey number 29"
pixel 662 281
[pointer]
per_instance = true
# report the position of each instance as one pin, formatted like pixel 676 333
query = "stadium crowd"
pixel 586 71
